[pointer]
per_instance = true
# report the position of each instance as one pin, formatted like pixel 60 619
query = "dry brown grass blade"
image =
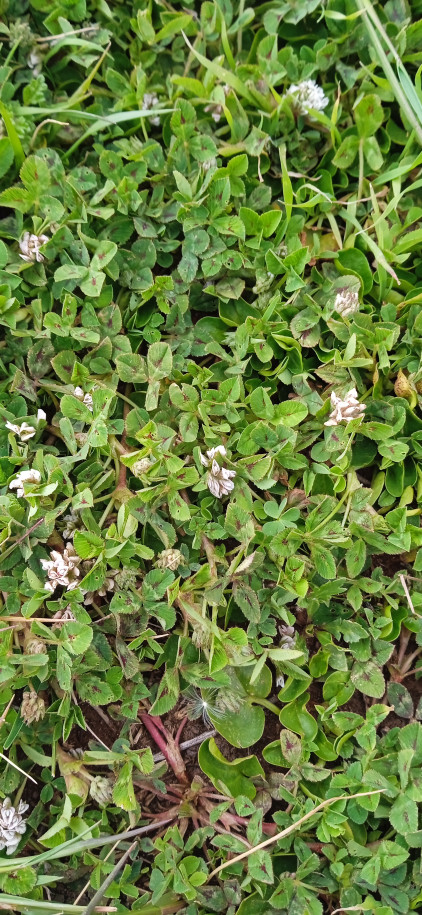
pixel 292 828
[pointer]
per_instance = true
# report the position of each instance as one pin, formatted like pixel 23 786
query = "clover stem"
pixel 267 704
pixel 331 515
pixel 106 512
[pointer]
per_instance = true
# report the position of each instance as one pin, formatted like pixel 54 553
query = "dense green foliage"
pixel 210 456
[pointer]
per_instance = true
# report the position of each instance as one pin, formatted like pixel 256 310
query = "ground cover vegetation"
pixel 210 457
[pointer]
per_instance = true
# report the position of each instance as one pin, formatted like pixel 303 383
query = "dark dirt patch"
pixel 390 565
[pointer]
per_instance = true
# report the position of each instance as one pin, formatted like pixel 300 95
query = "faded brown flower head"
pixel 32 707
pixel 169 559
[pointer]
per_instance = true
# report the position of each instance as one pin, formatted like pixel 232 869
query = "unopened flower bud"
pixel 35 646
pixel 33 707
pixel 141 467
pixel 101 790
pixel 402 388
pixel 126 579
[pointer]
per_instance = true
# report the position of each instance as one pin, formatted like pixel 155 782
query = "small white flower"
pixel 62 569
pixel 210 163
pixel 345 410
pixel 346 302
pixel 73 522
pixel 84 398
pixel 12 825
pixel 30 247
pixel 24 476
pixel 279 681
pixel 34 62
pixel 219 480
pixel 150 100
pixel 308 96
pixel 210 455
pixel 24 431
pixel 288 637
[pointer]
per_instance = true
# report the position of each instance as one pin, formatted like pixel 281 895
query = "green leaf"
pixel 6 155
pixel 87 544
pixel 104 253
pixel 369 679
pixel 290 413
pixel 356 558
pixel 160 361
pixel 368 115
pixel 234 778
pixel 75 409
pixel 131 368
pixel 324 562
pixel 347 152
pixel 247 600
pixel 76 637
pixel 123 791
pixel 95 691
pixel 404 815
pixel 400 699
pixel 395 451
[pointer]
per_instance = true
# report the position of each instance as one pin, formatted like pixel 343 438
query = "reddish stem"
pixel 179 731
pixel 167 745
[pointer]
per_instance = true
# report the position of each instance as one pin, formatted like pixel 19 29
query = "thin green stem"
pixel 106 512
pixel 368 14
pixel 267 704
pixel 331 515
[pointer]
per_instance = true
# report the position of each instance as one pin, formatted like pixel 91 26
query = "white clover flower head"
pixel 34 62
pixel 30 245
pixel 343 410
pixel 346 302
pixel 219 480
pixel 287 636
pixel 150 100
pixel 308 96
pixel 207 459
pixel 12 825
pixel 24 431
pixel 84 398
pixel 215 109
pixel 73 523
pixel 24 476
pixel 62 569
pixel 209 163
